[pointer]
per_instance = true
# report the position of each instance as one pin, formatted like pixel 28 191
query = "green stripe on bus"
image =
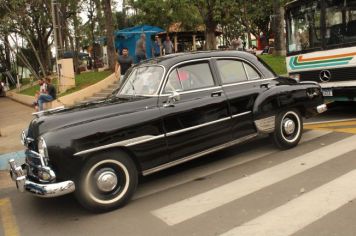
pixel 319 65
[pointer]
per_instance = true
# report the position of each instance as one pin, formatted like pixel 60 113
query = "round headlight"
pixel 42 147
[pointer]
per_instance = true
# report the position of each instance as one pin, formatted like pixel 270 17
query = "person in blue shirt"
pixel 156 47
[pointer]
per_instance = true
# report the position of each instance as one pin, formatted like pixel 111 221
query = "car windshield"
pixel 142 81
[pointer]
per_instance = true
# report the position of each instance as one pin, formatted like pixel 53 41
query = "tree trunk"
pixel 7 53
pixel 278 29
pixel 210 37
pixel 76 42
pixel 109 33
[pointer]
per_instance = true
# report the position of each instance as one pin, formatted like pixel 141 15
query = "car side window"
pixel 252 74
pixel 190 77
pixel 173 83
pixel 231 71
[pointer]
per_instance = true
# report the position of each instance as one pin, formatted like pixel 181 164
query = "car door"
pixel 242 83
pixel 198 121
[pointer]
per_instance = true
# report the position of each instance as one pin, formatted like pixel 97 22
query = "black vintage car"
pixel 169 110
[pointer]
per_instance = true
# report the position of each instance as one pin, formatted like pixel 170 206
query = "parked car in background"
pixel 169 110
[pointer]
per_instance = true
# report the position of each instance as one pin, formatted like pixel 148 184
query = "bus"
pixel 321 45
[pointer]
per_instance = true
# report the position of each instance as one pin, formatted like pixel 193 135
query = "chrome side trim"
pixel 241 114
pixel 199 154
pixel 124 143
pixel 40 113
pixel 197 126
pixel 247 82
pixel 266 125
pixel 194 91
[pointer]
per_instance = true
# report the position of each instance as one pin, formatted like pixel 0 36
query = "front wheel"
pixel 288 129
pixel 107 181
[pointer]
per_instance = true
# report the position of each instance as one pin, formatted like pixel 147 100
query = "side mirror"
pixel 172 99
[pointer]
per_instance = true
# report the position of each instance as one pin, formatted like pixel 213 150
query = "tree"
pixel 255 17
pixel 29 19
pixel 106 4
pixel 278 28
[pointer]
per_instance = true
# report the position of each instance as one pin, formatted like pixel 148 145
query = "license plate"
pixel 327 92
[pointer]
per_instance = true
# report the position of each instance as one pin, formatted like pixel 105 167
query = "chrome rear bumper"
pixel 46 190
pixel 321 108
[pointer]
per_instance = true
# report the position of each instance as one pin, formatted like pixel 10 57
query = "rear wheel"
pixel 107 181
pixel 288 129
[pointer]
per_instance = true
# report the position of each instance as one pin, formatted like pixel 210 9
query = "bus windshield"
pixel 340 22
pixel 311 26
pixel 304 31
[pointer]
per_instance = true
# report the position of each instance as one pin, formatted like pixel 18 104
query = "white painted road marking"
pixel 220 165
pixel 186 209
pixel 313 134
pixel 302 211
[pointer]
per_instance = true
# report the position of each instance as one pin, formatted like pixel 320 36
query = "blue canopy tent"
pixel 128 37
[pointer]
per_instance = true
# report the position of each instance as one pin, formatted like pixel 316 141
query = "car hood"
pixel 88 112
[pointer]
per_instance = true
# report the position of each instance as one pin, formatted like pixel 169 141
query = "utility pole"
pixel 92 26
pixel 57 36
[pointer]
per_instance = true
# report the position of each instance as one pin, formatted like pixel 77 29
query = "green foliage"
pixel 277 63
pixel 86 79
pixel 170 11
pixel 235 17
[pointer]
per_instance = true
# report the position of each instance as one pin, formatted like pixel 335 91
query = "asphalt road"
pixel 250 189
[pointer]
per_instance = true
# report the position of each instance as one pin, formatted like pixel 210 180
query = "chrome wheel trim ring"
pixel 124 188
pixel 297 124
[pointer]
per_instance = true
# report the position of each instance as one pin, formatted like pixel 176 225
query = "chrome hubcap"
pixel 107 181
pixel 289 126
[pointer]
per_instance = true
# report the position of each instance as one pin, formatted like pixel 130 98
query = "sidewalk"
pixel 14 117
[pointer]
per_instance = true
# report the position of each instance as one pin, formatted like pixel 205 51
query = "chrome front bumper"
pixel 46 190
pixel 321 108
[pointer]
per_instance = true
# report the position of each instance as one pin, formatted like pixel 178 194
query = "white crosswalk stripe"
pixel 301 211
pixel 191 207
pixel 221 165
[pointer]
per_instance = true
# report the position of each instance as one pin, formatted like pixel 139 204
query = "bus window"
pixel 340 19
pixel 304 27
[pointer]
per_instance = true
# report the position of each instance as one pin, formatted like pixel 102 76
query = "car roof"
pixel 172 59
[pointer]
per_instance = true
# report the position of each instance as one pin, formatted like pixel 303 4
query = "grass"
pixel 81 81
pixel 277 63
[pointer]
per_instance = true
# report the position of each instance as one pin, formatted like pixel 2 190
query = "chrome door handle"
pixel 216 94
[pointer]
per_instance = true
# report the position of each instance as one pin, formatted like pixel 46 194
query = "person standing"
pixel 156 47
pixel 168 46
pixel 239 44
pixel 123 63
pixel 141 48
pixel 49 96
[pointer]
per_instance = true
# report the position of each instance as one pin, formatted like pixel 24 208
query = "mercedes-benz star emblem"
pixel 325 75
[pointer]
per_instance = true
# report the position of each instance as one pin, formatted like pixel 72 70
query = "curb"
pixel 4 159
